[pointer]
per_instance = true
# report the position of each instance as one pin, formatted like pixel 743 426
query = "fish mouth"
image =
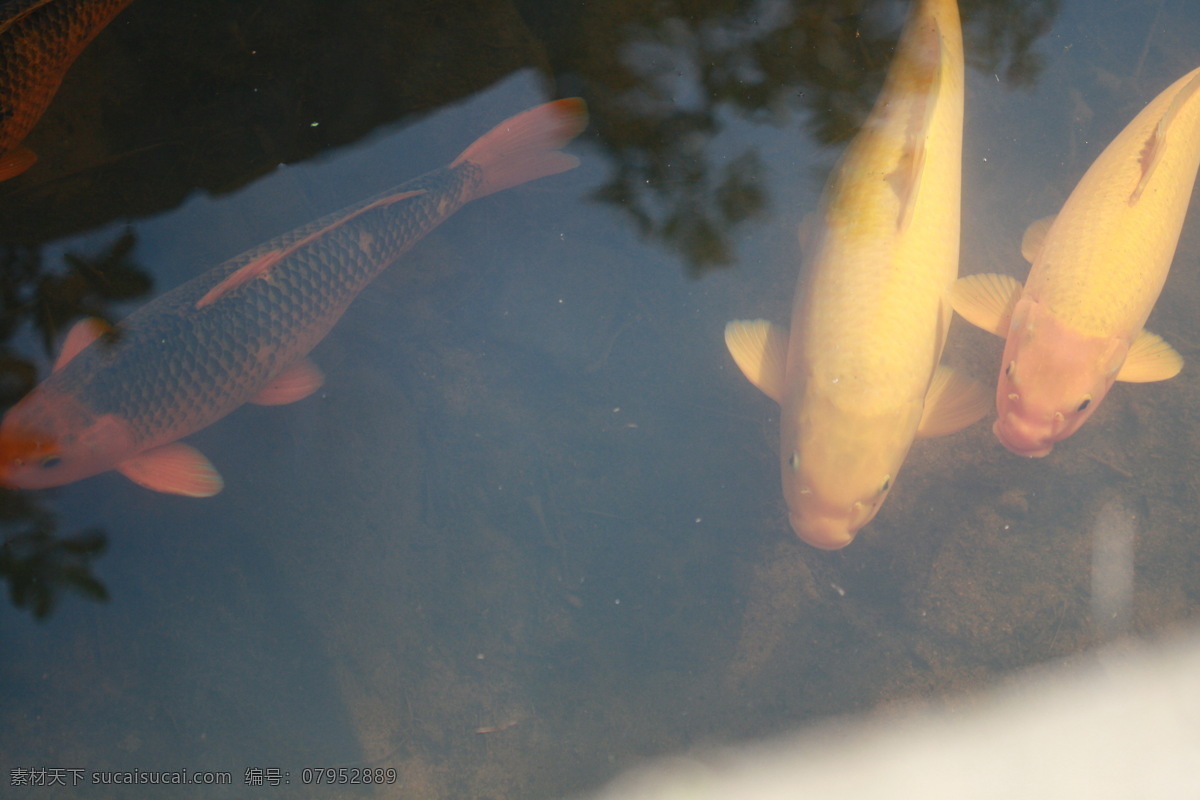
pixel 1019 439
pixel 824 533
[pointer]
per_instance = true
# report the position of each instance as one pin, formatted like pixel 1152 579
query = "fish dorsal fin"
pixel 294 383
pixel 1035 237
pixel 261 265
pixel 82 334
pixel 174 468
pixel 17 11
pixel 986 300
pixel 952 403
pixel 760 350
pixel 906 182
pixel 1156 144
pixel 1150 359
pixel 254 269
pixel 926 55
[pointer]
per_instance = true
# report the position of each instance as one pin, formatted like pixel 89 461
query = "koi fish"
pixel 39 40
pixel 1097 269
pixel 241 332
pixel 858 377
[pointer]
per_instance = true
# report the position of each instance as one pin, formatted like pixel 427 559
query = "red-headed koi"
pixel 242 331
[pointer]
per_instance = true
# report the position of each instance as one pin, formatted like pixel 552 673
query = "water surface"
pixel 530 531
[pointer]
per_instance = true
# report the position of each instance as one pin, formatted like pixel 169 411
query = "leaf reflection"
pixel 37 564
pixel 663 79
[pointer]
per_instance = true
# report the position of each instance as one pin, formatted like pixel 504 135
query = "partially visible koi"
pixel 39 40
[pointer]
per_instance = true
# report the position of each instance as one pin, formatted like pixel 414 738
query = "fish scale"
pixel 39 40
pixel 176 370
pixel 242 331
pixel 858 375
pixel 1096 270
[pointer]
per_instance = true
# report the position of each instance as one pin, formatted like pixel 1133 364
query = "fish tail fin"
pixel 526 147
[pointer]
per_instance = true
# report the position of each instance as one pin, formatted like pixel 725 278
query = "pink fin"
pixel 526 147
pixel 295 383
pixel 259 267
pixel 174 468
pixel 14 162
pixel 82 334
pixel 760 351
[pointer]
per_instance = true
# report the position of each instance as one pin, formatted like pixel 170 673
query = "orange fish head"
pixel 1052 378
pixel 49 439
pixel 836 474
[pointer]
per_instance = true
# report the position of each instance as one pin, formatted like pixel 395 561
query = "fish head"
pixel 50 439
pixel 837 469
pixel 1052 378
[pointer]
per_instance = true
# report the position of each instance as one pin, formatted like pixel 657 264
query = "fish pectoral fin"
pixel 294 383
pixel 174 468
pixel 986 300
pixel 952 403
pixel 1150 359
pixel 82 334
pixel 14 162
pixel 1035 236
pixel 760 350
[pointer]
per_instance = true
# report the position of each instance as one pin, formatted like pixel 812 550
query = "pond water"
pixel 529 532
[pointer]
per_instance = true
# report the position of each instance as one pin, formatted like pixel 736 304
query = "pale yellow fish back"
pixel 889 249
pixel 1103 262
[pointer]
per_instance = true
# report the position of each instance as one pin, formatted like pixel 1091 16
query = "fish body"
pixel 1077 324
pixel 857 377
pixel 241 332
pixel 39 40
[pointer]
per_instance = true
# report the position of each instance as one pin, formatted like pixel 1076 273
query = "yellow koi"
pixel 858 377
pixel 1097 269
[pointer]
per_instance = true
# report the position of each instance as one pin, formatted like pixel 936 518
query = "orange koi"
pixel 241 332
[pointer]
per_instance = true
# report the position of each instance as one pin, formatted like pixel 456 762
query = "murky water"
pixel 530 532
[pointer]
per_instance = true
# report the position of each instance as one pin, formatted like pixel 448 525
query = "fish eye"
pixel 1009 368
pixel 1087 401
pixel 887 484
pixel 50 462
pixel 794 461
